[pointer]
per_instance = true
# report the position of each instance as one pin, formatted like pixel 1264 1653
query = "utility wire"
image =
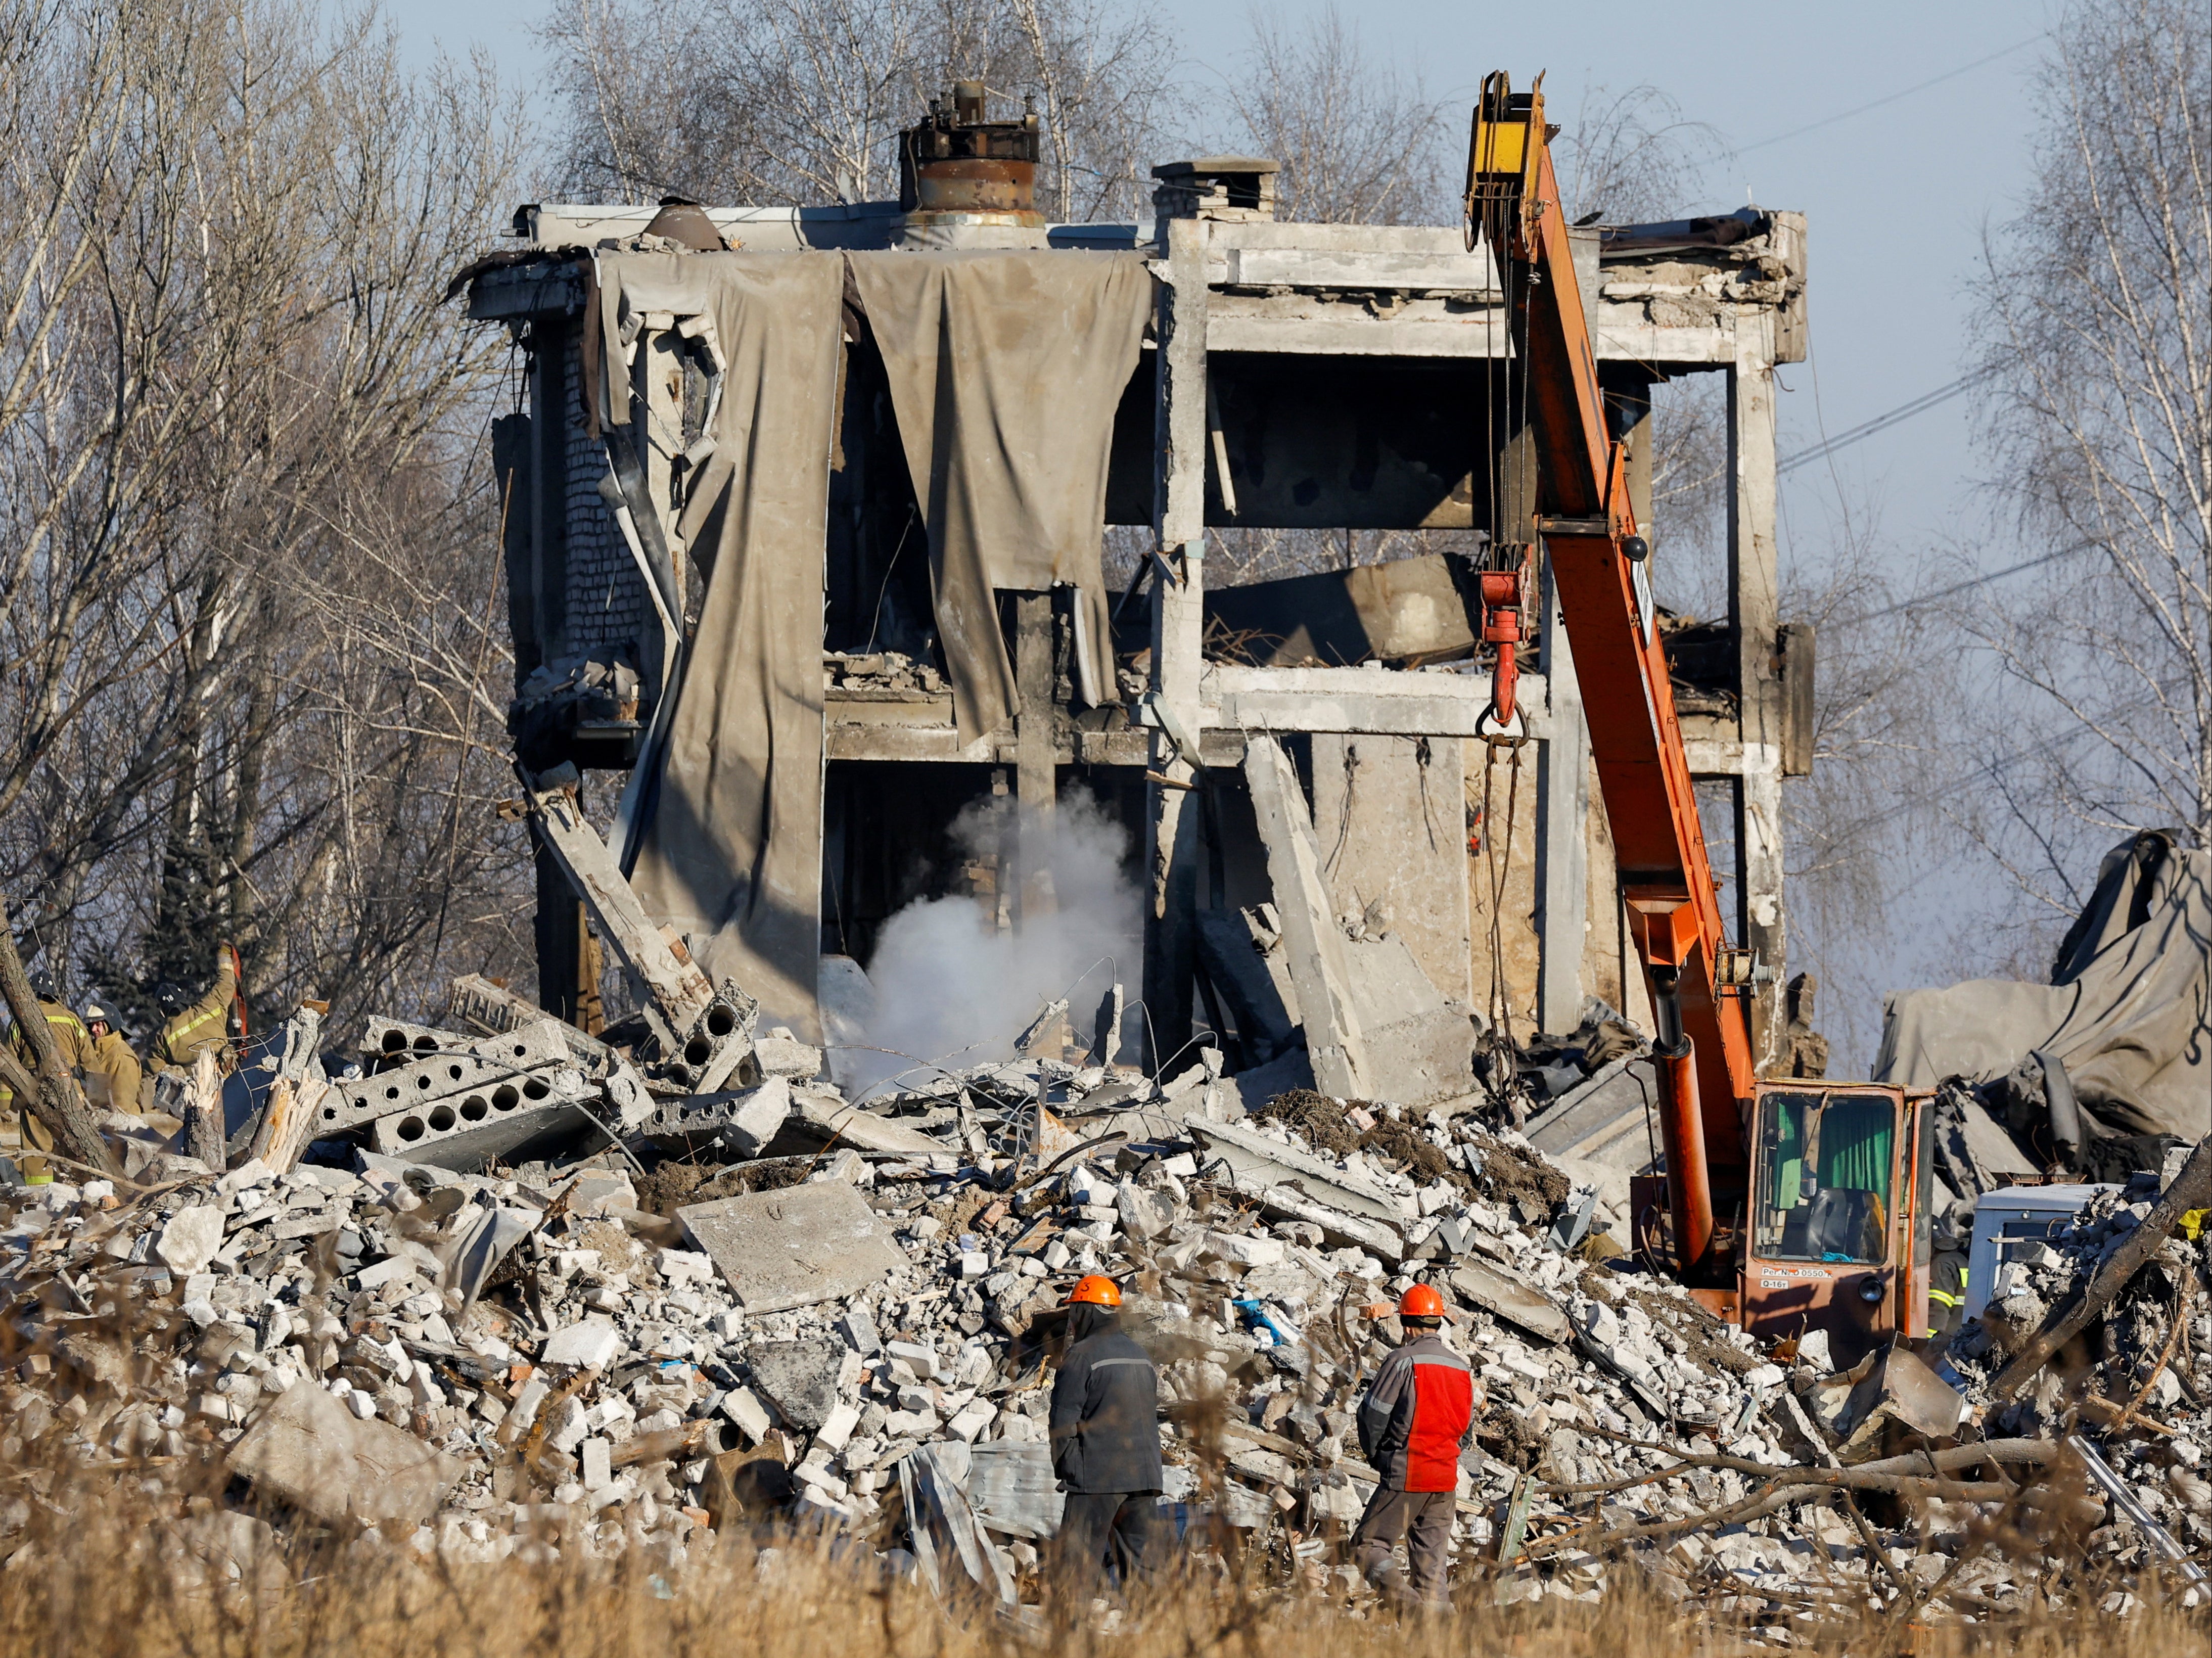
pixel 1917 600
pixel 1904 411
pixel 1879 103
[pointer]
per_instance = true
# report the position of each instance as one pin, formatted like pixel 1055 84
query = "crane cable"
pixel 1491 228
pixel 1498 861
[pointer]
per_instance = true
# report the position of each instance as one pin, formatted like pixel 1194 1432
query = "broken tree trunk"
pixel 2191 1190
pixel 56 1102
pixel 203 1136
pixel 295 1098
pixel 1311 938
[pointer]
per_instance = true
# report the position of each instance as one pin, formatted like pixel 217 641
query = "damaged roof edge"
pixel 770 230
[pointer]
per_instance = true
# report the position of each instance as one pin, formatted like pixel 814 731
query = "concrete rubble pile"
pixel 674 1313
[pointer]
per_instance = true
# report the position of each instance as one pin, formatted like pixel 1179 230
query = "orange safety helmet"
pixel 1102 1292
pixel 1421 1301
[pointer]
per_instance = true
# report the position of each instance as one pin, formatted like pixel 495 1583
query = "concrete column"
pixel 1754 589
pixel 1036 767
pixel 1563 812
pixel 1173 853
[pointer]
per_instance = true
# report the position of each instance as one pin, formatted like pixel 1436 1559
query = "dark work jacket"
pixel 1946 1292
pixel 1418 1416
pixel 1105 1415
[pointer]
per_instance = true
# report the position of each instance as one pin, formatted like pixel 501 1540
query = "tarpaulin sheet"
pixel 730 849
pixel 1005 369
pixel 2125 1013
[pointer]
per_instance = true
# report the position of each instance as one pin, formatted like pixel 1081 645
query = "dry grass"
pixel 119 1563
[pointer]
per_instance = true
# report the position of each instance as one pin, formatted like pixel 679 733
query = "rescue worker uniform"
pixel 1106 1451
pixel 1418 1416
pixel 205 1024
pixel 1946 1271
pixel 113 1077
pixel 1947 1294
pixel 73 1046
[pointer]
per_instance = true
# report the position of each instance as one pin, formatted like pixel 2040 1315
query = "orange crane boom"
pixel 1600 565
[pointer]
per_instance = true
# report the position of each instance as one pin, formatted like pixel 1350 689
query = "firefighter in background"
pixel 72 1044
pixel 1947 1272
pixel 1416 1418
pixel 188 1029
pixel 113 1077
pixel 1105 1445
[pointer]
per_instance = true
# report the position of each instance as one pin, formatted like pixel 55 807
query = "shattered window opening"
pixel 1825 1174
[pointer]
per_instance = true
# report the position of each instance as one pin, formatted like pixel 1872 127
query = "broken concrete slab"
pixel 1313 940
pixel 1390 812
pixel 591 1345
pixel 1602 1119
pixel 1420 1046
pixel 780 1054
pixel 510 1123
pixel 745 1120
pixel 804 1380
pixel 1402 608
pixel 383 1038
pixel 1495 1291
pixel 189 1242
pixel 795 1246
pixel 827 1117
pixel 679 996
pixel 1288 1181
pixel 306 1449
pixel 1013 1490
pixel 494 1068
pixel 490 1009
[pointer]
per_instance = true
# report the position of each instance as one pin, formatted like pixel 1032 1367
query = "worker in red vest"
pixel 1418 1416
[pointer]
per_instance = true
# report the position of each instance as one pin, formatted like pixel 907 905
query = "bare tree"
pixel 1630 157
pixel 1359 143
pixel 799 102
pixel 234 402
pixel 2097 333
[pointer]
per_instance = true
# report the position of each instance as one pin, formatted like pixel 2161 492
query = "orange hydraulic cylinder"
pixel 1689 1179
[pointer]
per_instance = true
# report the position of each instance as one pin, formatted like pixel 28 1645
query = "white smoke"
pixel 951 989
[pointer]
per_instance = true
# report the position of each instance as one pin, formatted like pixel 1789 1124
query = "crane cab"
pixel 1835 1232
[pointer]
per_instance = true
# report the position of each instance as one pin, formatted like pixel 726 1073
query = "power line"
pixel 1917 600
pixel 1830 120
pixel 1906 800
pixel 1919 405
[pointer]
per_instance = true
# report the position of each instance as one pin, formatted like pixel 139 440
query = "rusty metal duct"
pixel 958 168
pixel 681 220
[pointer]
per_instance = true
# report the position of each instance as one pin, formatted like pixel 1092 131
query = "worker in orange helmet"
pixel 1105 1444
pixel 1418 1416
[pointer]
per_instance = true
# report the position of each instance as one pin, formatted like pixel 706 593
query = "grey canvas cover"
pixel 2124 1013
pixel 729 846
pixel 1005 369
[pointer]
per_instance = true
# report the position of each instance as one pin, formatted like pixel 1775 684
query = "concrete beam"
pixel 1037 775
pixel 1376 700
pixel 1181 440
pixel 1754 590
pixel 678 990
pixel 1312 941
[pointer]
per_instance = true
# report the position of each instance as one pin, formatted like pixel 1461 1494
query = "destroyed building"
pixel 805 524
pixel 802 519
